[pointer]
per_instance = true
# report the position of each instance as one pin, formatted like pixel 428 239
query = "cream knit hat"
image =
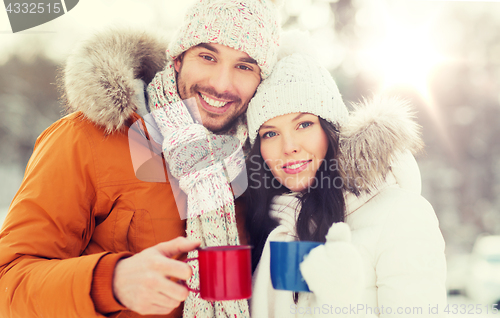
pixel 297 84
pixel 250 26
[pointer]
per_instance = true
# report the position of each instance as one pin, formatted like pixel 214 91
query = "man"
pixel 85 236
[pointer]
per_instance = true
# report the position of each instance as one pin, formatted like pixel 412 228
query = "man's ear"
pixel 178 62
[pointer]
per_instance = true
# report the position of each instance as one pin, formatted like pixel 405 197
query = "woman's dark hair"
pixel 322 204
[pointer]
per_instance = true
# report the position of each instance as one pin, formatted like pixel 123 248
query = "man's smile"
pixel 214 106
pixel 213 102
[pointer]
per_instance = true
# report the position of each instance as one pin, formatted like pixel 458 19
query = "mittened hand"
pixel 334 271
pixel 339 232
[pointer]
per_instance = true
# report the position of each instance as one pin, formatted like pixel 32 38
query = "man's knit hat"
pixel 297 84
pixel 250 26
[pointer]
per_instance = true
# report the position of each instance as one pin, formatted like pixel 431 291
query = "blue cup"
pixel 285 260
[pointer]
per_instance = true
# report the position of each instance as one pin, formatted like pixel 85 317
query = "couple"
pixel 85 237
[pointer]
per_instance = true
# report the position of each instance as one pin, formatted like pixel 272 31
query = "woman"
pixel 319 174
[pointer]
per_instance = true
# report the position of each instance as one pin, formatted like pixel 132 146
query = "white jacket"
pixel 397 233
pixel 390 264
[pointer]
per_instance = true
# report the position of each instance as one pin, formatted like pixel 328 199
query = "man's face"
pixel 221 79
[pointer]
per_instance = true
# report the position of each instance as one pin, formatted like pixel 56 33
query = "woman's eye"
pixel 304 125
pixel 269 134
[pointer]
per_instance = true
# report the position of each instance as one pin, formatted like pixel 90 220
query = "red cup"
pixel 225 272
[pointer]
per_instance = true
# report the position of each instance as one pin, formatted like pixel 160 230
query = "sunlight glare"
pixel 406 57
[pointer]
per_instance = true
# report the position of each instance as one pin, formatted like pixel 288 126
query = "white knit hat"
pixel 297 84
pixel 250 26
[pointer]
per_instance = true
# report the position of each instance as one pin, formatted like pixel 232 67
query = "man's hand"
pixel 141 282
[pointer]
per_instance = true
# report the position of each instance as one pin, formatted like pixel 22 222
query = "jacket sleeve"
pixel 49 224
pixel 410 261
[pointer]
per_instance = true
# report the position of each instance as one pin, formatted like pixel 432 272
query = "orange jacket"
pixel 83 204
pixel 80 197
pixel 80 200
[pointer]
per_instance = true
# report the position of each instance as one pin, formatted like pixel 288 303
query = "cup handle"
pixel 183 282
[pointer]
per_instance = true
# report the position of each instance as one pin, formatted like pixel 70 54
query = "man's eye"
pixel 304 125
pixel 244 67
pixel 269 134
pixel 207 57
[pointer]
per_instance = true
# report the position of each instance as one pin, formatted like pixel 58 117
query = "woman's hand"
pixel 334 271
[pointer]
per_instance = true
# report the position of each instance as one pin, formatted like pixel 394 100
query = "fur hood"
pixel 102 77
pixel 377 132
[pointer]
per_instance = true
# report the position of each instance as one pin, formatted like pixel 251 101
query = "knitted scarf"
pixel 266 301
pixel 333 271
pixel 204 164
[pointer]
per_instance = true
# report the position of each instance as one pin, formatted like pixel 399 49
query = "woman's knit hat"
pixel 297 84
pixel 250 26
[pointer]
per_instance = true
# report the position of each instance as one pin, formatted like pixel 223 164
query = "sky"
pixel 58 37
pixel 401 48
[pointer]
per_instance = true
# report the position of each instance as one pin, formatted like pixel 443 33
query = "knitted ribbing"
pixel 267 302
pixel 298 84
pixel 204 163
pixel 250 26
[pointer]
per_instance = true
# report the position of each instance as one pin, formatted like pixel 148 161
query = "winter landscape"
pixel 443 56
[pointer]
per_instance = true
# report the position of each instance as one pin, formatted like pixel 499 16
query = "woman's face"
pixel 293 146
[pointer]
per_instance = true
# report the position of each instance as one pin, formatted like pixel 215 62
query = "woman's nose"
pixel 290 145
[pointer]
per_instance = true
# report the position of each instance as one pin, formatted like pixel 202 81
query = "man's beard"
pixel 193 91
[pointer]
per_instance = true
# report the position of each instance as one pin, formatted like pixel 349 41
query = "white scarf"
pixel 205 164
pixel 266 301
pixel 338 281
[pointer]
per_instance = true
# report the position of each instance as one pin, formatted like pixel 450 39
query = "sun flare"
pixel 406 56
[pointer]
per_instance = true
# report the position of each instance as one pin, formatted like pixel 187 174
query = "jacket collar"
pixel 104 77
pixel 404 174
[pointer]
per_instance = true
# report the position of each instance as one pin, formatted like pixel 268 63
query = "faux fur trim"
pixel 376 132
pixel 100 77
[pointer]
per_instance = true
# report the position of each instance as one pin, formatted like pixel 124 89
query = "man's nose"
pixel 222 79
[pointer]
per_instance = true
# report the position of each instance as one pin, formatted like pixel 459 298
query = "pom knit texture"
pixel 250 26
pixel 298 84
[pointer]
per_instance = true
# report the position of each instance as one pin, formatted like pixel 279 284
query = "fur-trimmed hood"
pixel 105 74
pixel 102 78
pixel 377 133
